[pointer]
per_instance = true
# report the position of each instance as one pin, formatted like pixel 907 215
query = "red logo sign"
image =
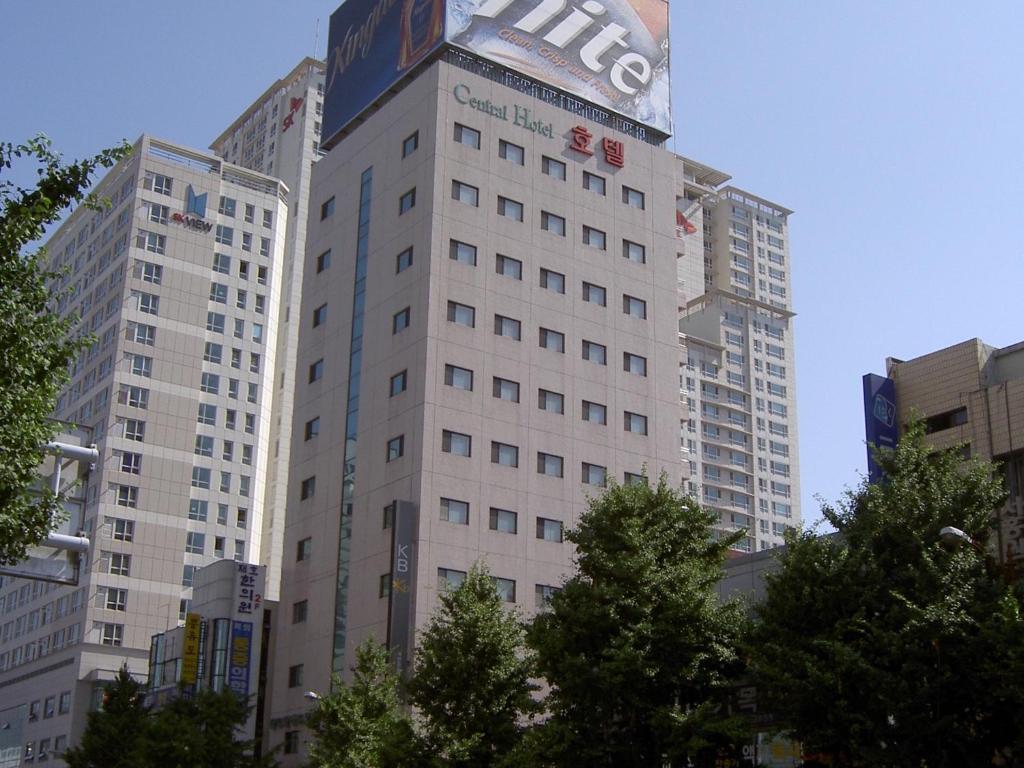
pixel 614 149
pixel 289 119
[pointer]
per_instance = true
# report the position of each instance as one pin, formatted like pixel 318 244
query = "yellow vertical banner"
pixel 190 652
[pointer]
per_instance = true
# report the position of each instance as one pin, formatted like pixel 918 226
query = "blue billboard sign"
pixel 880 427
pixel 240 657
pixel 371 45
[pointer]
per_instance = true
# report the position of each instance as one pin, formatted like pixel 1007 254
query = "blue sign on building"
pixel 371 45
pixel 880 427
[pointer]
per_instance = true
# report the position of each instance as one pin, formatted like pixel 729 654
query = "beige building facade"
pixel 490 330
pixel 179 281
pixel 972 394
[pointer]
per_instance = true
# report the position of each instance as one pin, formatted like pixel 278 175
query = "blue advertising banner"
pixel 880 427
pixel 370 46
pixel 239 657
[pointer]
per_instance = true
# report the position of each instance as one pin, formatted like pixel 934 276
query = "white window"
pixel 465 193
pixel 634 252
pixel 553 223
pixel 454 511
pixel 553 340
pixel 594 352
pixel 509 208
pixel 593 183
pixel 635 422
pixel 593 237
pixel 111 634
pixel 511 152
pixel 195 543
pixel 594 294
pixel 464 253
pixel 632 197
pixel 595 413
pixel 460 378
pixel 456 442
pixel 552 281
pixel 509 267
pixel 503 520
pixel 461 314
pixel 594 474
pixel 467 136
pixel 553 168
pixel 549 530
pixel 506 389
pixel 507 326
pixel 634 364
pixel 552 402
pixel 549 464
pixel 634 307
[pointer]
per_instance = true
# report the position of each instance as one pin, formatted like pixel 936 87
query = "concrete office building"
pixel 499 301
pixel 973 394
pixel 279 135
pixel 179 280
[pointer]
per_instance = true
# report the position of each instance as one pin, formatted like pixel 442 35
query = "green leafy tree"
pixel 114 732
pixel 880 645
pixel 199 731
pixel 637 648
pixel 362 725
pixel 37 344
pixel 471 685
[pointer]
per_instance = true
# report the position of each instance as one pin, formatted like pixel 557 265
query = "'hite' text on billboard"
pixel 612 53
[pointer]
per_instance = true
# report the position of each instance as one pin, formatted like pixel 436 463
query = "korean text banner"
pixel 613 53
pixel 371 45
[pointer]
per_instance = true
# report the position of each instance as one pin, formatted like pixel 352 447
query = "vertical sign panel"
pixel 190 653
pixel 880 427
pixel 401 605
pixel 240 657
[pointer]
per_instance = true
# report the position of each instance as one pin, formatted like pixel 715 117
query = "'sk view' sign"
pixel 613 53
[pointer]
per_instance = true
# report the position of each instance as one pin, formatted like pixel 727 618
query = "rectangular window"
pixel 467 136
pixel 509 208
pixel 552 402
pixel 595 413
pixel 509 267
pixel 112 634
pixel 323 261
pixel 634 307
pixel 222 263
pixel 595 238
pixel 504 454
pixel 127 496
pixel 215 322
pixel 635 422
pixel 553 168
pixel 506 326
pixel 121 529
pixel 594 294
pixel 197 510
pixel 464 253
pixel 506 589
pixel 460 378
pixel 595 353
pixel 304 549
pixel 552 281
pixel 295 675
pixel 461 314
pixel 632 478
pixel 316 370
pixel 397 384
pixel 634 252
pixel 312 429
pixel 549 464
pixel 456 442
pixel 511 152
pixel 504 520
pixel 634 364
pixel 149 304
pixel 319 315
pixel 465 193
pixel 204 446
pixel 552 223
pixel 142 365
pixel 553 340
pixel 403 260
pixel 207 414
pixel 505 389
pixel 201 478
pixel 543 594
pixel 407 201
pixel 195 543
pixel 142 334
pixel 453 511
pixel 593 183
pixel 400 320
pixel 327 209
pixel 120 564
pixel 384 585
pixel 410 144
pixel 594 474
pixel 634 198
pixel 157 182
pixel 549 530
pixel 151 241
pixel 210 383
pixel 224 235
pixel 131 463
pixel 150 273
pixel 448 578
pixel 307 488
pixel 396 448
pixel 134 429
pixel 300 611
pixel 226 207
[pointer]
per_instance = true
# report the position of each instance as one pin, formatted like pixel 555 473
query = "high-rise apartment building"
pixel 972 395
pixel 507 275
pixel 279 134
pixel 739 380
pixel 179 281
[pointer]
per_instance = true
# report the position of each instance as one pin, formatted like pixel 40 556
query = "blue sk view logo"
pixel 885 411
pixel 195 204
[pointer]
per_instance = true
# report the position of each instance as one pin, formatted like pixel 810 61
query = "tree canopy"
pixel 38 345
pixel 637 647
pixel 883 646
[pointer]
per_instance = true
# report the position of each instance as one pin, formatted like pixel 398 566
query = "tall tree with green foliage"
pixel 200 730
pixel 38 345
pixel 637 647
pixel 114 732
pixel 362 725
pixel 471 686
pixel 883 646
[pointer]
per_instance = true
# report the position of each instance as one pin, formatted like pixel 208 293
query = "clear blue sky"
pixel 893 129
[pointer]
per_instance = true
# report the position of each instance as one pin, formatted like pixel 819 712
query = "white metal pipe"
pixel 64 541
pixel 89 453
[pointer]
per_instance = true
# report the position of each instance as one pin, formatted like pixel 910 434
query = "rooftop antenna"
pixel 316 37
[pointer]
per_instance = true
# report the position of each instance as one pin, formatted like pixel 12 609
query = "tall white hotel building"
pixel 512 294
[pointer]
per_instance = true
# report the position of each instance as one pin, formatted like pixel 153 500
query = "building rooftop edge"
pixel 704 174
pixel 763 200
pixel 297 71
